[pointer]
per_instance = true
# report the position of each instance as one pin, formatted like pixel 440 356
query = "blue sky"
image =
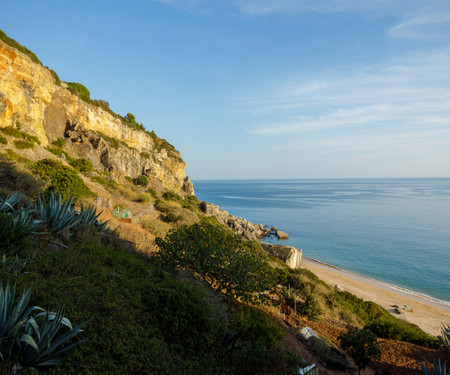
pixel 259 88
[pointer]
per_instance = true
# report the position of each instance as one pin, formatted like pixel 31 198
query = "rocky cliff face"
pixel 29 96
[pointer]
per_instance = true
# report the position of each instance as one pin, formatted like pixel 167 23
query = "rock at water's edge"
pixel 288 254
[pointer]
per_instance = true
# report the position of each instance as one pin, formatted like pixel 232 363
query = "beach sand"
pixel 428 315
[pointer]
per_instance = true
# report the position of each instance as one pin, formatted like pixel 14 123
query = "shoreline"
pixel 429 315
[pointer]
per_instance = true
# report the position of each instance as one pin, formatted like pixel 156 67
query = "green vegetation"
pixel 439 369
pixel 55 76
pixel 257 327
pixel 115 143
pixel 220 258
pixel 141 180
pixel 395 329
pixel 11 42
pixel 81 165
pixel 21 144
pixel 16 133
pixel 15 237
pixel 107 182
pixel 61 178
pixel 79 90
pixel 60 142
pixel 172 218
pixel 3 140
pixel 58 152
pixel 445 337
pixel 152 192
pixel 362 346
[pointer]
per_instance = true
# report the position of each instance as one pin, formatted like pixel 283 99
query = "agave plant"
pixel 13 315
pixel 89 217
pixel 445 337
pixel 14 266
pixel 438 369
pixel 7 203
pixel 57 216
pixel 43 346
pixel 25 342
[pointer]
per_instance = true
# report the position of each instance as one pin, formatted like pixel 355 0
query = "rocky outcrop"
pixel 30 96
pixel 288 254
pixel 188 186
pixel 241 226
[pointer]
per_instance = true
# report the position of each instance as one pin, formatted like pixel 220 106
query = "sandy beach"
pixel 428 315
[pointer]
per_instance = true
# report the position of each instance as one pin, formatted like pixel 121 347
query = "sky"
pixel 271 89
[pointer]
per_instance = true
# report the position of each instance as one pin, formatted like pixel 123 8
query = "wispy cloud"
pixel 429 22
pixel 404 104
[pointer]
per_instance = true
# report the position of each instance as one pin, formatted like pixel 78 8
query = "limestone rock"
pixel 30 96
pixel 282 235
pixel 188 186
pixel 288 254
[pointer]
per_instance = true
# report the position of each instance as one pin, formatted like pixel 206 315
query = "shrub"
pixel 141 180
pixel 82 165
pixel 107 182
pixel 61 178
pixel 362 346
pixel 79 90
pixel 16 133
pixel 310 308
pixel 15 237
pixel 59 152
pixel 396 329
pixel 172 196
pixel 60 142
pixel 21 145
pixel 55 76
pixel 145 155
pixel 143 198
pixel 129 179
pixel 152 192
pixel 220 258
pixel 172 218
pixel 3 140
pixel 256 326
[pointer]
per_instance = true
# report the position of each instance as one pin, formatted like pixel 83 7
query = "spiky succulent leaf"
pixel 7 203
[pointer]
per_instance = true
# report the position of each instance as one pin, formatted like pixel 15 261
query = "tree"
pixel 362 346
pixel 220 258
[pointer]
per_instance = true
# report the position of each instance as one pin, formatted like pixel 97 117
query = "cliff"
pixel 31 98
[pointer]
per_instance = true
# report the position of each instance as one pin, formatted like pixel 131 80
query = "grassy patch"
pixel 108 183
pixel 21 144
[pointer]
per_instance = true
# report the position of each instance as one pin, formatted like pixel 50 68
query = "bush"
pixel 79 90
pixel 220 258
pixel 82 165
pixel 21 145
pixel 16 133
pixel 15 238
pixel 107 182
pixel 3 140
pixel 152 192
pixel 256 326
pixel 59 152
pixel 60 142
pixel 141 180
pixel 172 218
pixel 362 346
pixel 129 179
pixel 143 198
pixel 396 329
pixel 172 196
pixel 61 178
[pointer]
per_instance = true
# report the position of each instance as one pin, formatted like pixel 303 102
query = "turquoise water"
pixel 395 231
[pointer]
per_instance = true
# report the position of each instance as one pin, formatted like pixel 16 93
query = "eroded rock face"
pixel 288 254
pixel 30 96
pixel 188 186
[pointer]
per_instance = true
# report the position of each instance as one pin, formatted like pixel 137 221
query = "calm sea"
pixel 395 231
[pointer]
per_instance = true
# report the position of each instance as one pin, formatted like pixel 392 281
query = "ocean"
pixel 395 231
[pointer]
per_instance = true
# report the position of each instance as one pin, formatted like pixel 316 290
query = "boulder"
pixel 288 254
pixel 282 235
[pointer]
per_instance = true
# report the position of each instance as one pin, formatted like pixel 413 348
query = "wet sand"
pixel 427 314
